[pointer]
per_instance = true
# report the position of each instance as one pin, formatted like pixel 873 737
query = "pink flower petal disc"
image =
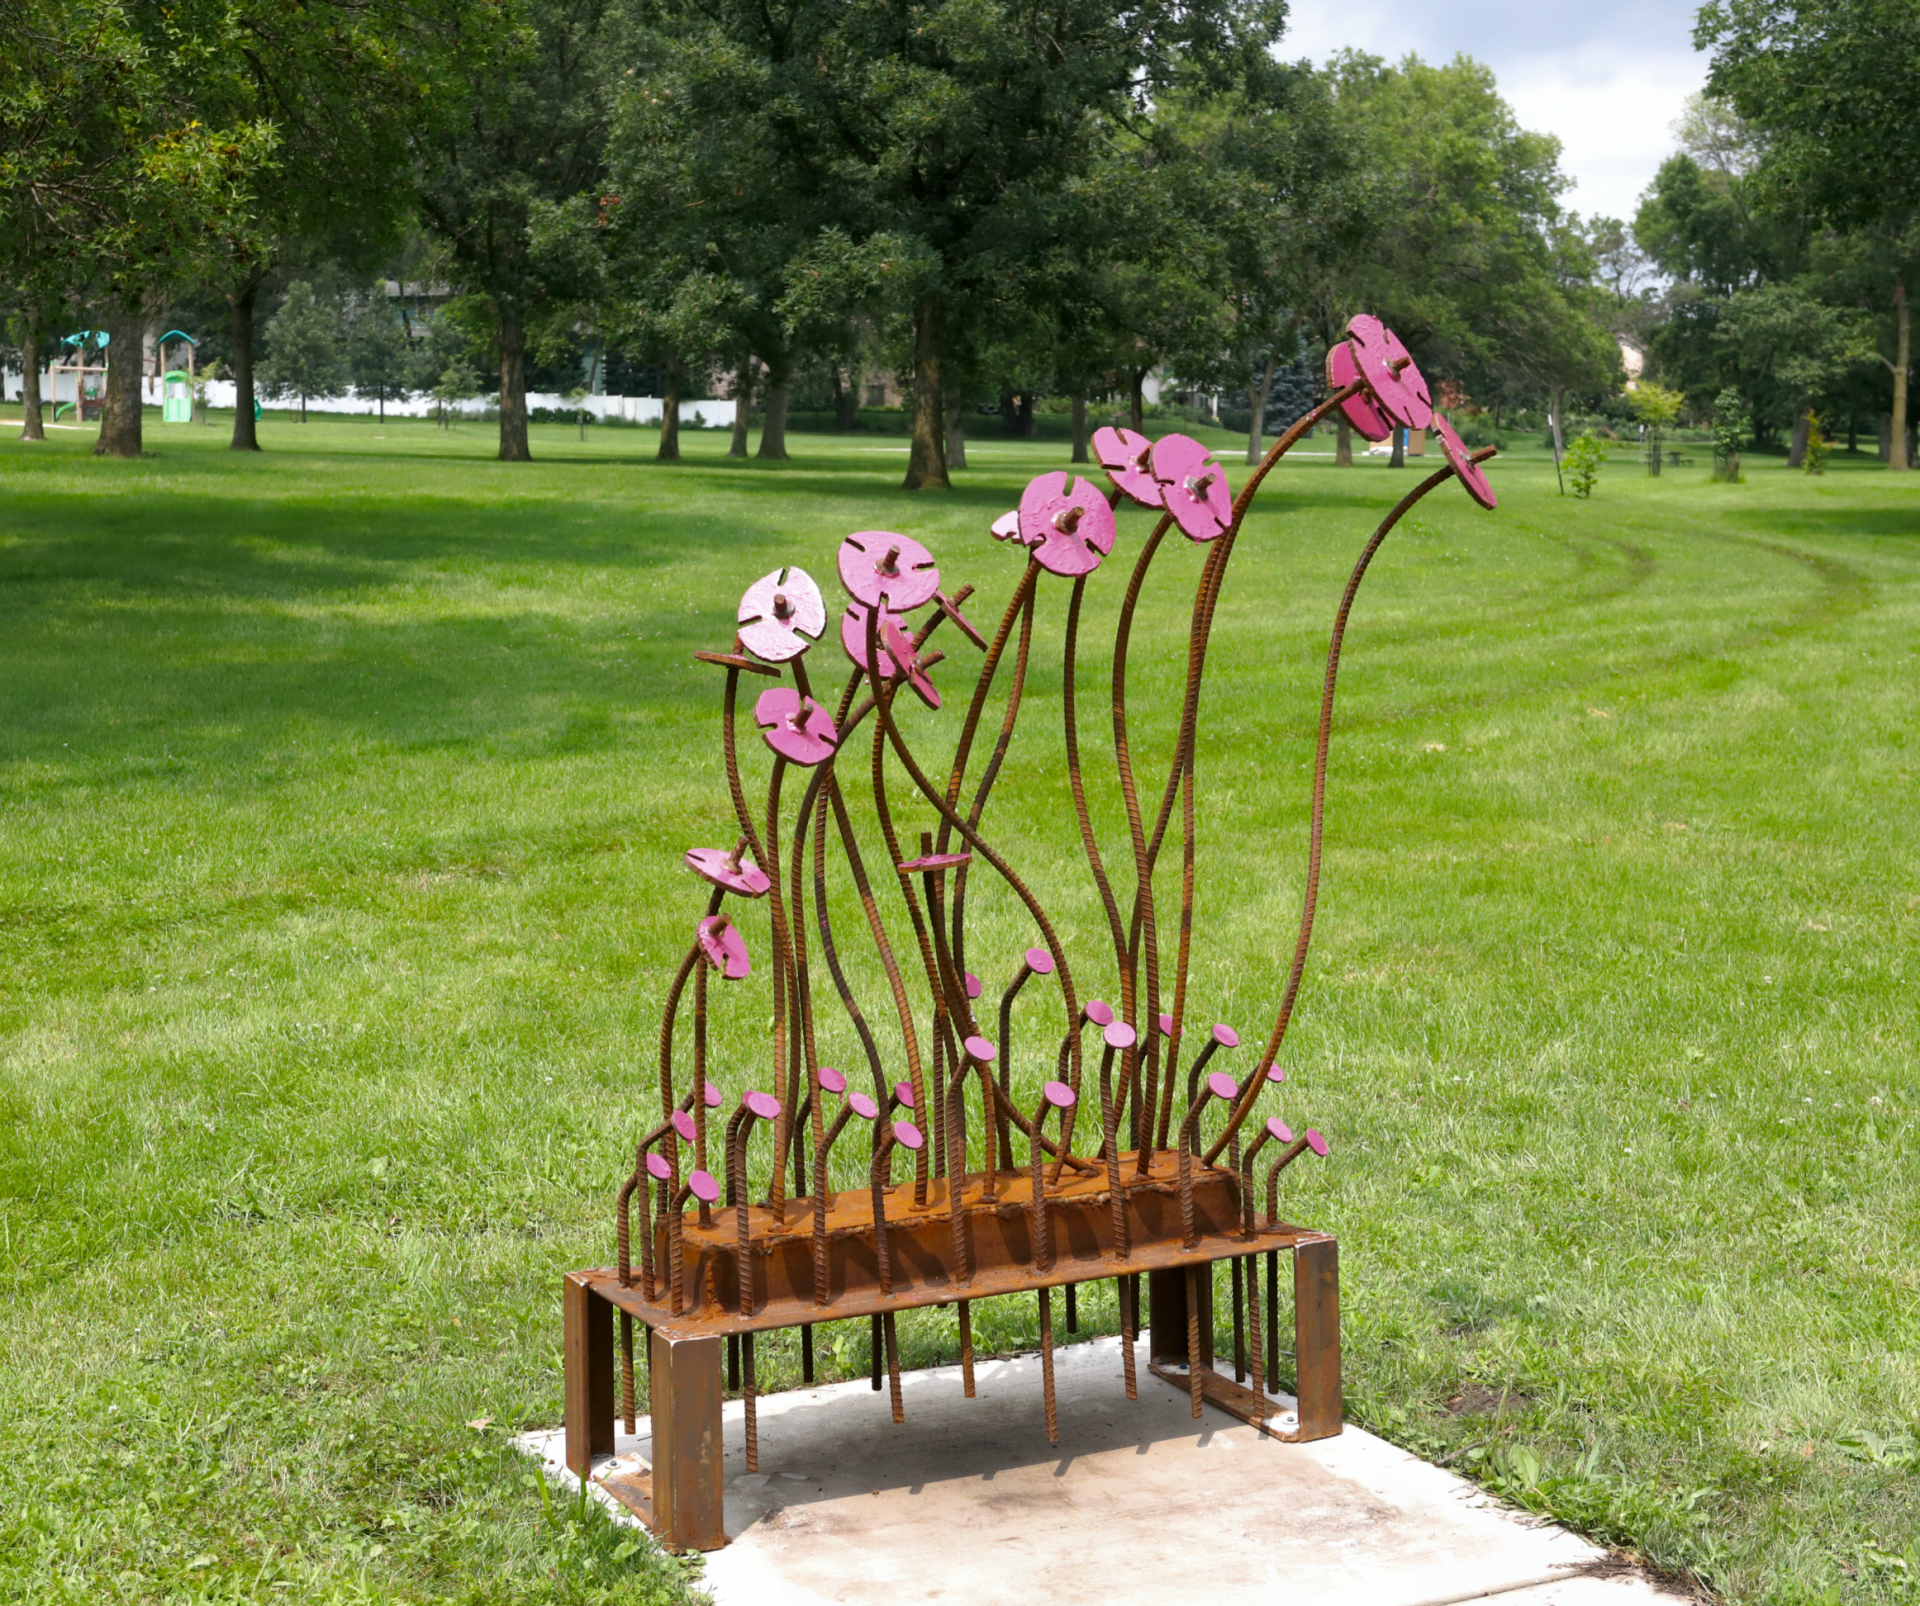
pixel 1118 1035
pixel 1194 486
pixel 876 563
pixel 711 1098
pixel 704 1187
pixel 862 1106
pixel 1398 387
pixel 907 1135
pixel 903 1094
pixel 659 1167
pixel 1067 522
pixel 1166 1025
pixel 683 1124
pixel 1059 1095
pixel 1316 1143
pixel 745 878
pixel 1039 961
pixel 974 988
pixel 725 948
pixel 1279 1129
pixel 781 615
pixel 1226 1036
pixel 1007 528
pixel 1099 1012
pixel 978 1048
pixel 1125 455
pixel 900 650
pixel 1342 370
pixel 795 727
pixel 1464 466
pixel 830 1080
pixel 853 639
pixel 1221 1085
pixel 763 1105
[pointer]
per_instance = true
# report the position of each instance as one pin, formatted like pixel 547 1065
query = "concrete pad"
pixel 967 1503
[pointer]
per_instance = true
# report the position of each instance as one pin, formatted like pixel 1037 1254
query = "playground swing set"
pixel 82 375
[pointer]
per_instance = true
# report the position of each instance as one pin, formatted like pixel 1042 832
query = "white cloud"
pixel 1609 81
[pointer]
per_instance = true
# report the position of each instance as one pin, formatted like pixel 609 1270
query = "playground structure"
pixel 86 382
pixel 176 384
pixel 1176 1168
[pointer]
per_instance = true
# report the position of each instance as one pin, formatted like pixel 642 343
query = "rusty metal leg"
pixel 1046 1366
pixel 1316 1336
pixel 587 1327
pixel 1167 1317
pixel 1073 1307
pixel 733 1363
pixel 751 1393
pixel 874 1348
pixel 688 1470
pixel 1193 1337
pixel 966 1347
pixel 1273 1321
pixel 627 1404
pixel 893 1367
pixel 806 1352
pixel 1239 1323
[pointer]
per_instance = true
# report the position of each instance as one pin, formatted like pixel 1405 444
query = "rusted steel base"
pixel 681 1496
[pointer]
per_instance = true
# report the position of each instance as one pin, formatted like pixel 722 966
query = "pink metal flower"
pixel 1194 486
pixel 795 727
pixel 704 1186
pixel 901 650
pixel 1127 457
pixel 877 563
pixel 1316 1143
pixel 862 1106
pixel 853 639
pixel 1221 1085
pixel 1342 371
pixel 659 1167
pixel 725 948
pixel 1007 528
pixel 830 1080
pixel 1464 466
pixel 907 1135
pixel 763 1105
pixel 939 861
pixel 1388 368
pixel 979 1050
pixel 1059 1095
pixel 1067 522
pixel 781 615
pixel 683 1124
pixel 1278 1128
pixel 732 870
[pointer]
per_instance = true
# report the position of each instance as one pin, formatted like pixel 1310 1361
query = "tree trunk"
pixel 513 391
pixel 303 407
pixel 1399 457
pixel 1025 426
pixel 956 434
pixel 846 402
pixel 32 425
pixel 246 437
pixel 1138 409
pixel 1902 356
pixel 1342 440
pixel 927 456
pixel 1257 394
pixel 1797 452
pixel 773 430
pixel 1559 446
pixel 1079 427
pixel 120 421
pixel 742 406
pixel 670 412
pixel 1886 437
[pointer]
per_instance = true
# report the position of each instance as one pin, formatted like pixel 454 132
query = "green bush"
pixel 1584 457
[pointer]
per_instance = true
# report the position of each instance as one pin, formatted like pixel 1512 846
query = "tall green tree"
pixel 1834 85
pixel 305 358
pixel 527 136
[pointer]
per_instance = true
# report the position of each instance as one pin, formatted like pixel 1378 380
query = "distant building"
pixel 1633 358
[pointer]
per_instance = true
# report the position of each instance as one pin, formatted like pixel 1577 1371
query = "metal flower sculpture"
pixel 1014 1137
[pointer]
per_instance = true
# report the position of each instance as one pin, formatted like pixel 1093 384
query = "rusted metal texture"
pixel 936 1183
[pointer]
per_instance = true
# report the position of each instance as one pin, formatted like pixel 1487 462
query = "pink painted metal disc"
pixel 900 648
pixel 1007 528
pixel 1067 522
pixel 979 1049
pixel 725 948
pixel 903 1094
pixel 1316 1143
pixel 711 864
pixel 1275 1074
pixel 795 727
pixel 830 1080
pixel 1059 1095
pixel 1194 486
pixel 1126 455
pixel 781 615
pixel 711 1098
pixel 1279 1130
pixel 763 1105
pixel 659 1167
pixel 1368 421
pixel 877 563
pixel 704 1187
pixel 907 1135
pixel 1221 1085
pixel 974 989
pixel 937 861
pixel 1166 1025
pixel 1468 471
pixel 1398 387
pixel 1039 961
pixel 683 1125
pixel 853 640
pixel 862 1106
pixel 1226 1036
pixel 1099 1012
pixel 1118 1035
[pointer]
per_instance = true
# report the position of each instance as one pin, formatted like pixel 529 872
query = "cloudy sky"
pixel 1608 79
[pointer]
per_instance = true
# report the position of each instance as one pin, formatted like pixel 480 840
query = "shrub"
pixel 1583 460
pixel 1818 446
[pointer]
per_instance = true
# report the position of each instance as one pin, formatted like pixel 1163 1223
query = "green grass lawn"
pixel 343 791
